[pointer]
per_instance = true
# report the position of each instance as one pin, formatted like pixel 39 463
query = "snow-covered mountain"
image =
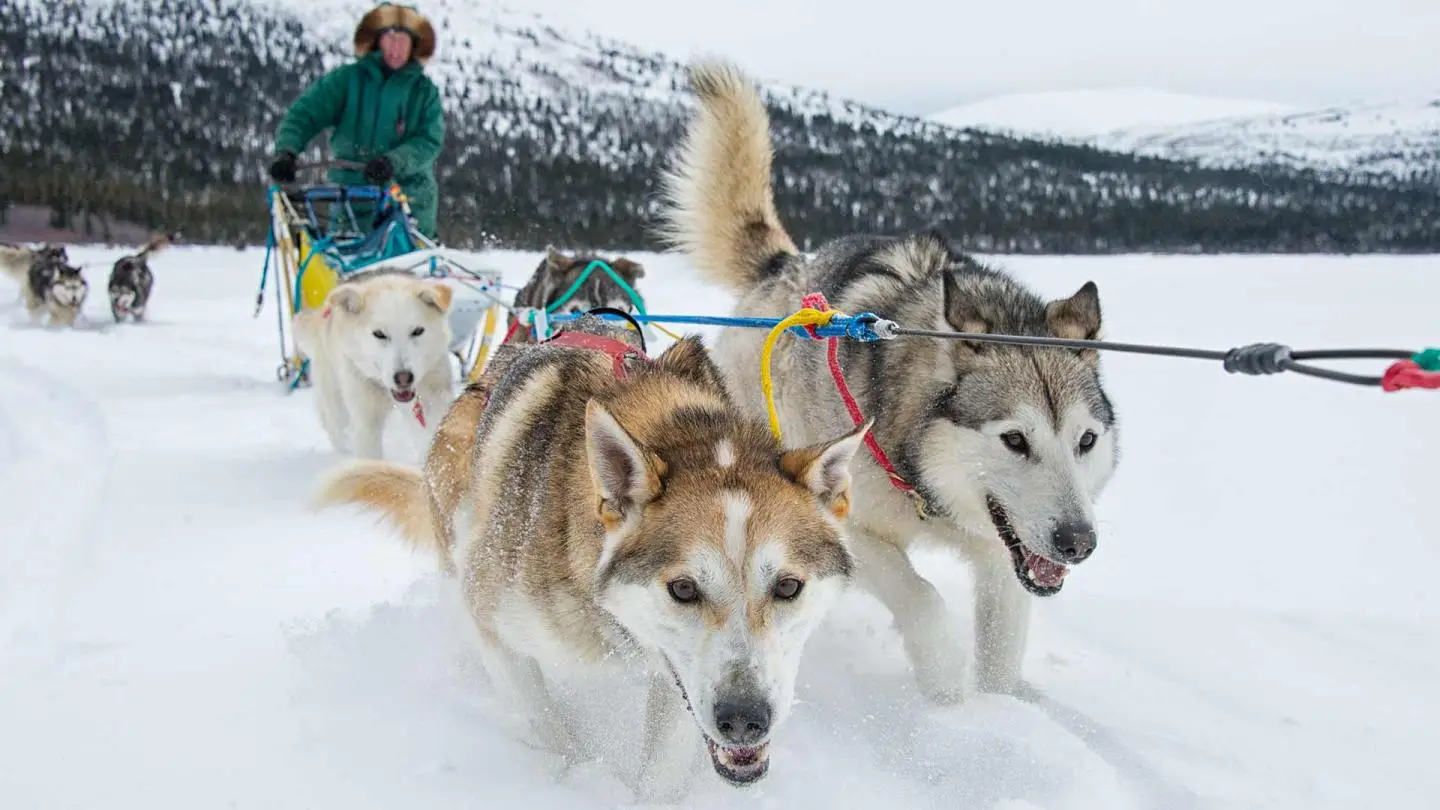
pixel 1398 139
pixel 1085 114
pixel 163 112
pixel 1389 139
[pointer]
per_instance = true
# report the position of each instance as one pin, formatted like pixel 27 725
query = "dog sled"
pixel 321 233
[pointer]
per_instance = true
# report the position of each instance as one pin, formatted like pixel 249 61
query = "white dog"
pixel 381 338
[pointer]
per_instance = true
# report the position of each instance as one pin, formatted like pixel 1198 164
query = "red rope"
pixel 1403 374
pixel 816 300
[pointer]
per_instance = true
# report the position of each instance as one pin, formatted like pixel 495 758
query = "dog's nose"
pixel 1074 542
pixel 404 379
pixel 742 721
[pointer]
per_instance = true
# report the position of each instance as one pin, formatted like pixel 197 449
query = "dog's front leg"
pixel 672 746
pixel 931 643
pixel 369 406
pixel 523 683
pixel 1002 624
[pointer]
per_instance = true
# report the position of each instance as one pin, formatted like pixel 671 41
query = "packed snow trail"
pixel 177 629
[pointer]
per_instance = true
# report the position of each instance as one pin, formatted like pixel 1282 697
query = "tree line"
pixel 162 113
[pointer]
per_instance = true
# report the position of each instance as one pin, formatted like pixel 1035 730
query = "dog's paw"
pixel 939 663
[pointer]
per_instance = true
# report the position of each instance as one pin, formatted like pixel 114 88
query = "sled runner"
pixel 321 233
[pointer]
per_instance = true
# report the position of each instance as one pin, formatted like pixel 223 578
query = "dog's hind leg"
pixel 1002 622
pixel 672 745
pixel 884 570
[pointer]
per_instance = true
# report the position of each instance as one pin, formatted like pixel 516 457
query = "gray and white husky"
pixel 1007 447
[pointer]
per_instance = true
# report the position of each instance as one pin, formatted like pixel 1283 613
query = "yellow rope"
pixel 666 331
pixel 804 317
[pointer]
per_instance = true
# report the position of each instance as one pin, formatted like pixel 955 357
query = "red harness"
pixel 621 354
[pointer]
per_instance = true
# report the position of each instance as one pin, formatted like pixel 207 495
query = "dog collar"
pixel 621 353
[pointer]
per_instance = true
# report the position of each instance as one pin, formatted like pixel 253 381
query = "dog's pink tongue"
pixel 1047 573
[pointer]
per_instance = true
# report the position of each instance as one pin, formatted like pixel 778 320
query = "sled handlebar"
pixel 330 164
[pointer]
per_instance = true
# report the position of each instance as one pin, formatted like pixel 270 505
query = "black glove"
pixel 283 169
pixel 379 170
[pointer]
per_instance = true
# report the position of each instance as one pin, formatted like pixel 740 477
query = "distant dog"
pixel 131 281
pixel 381 338
pixel 49 283
pixel 555 275
pixel 620 508
pixel 1006 447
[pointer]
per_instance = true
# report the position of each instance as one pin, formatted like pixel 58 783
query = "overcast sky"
pixel 920 56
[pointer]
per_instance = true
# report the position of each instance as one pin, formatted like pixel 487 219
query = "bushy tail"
pixel 719 201
pixel 155 245
pixel 396 492
pixel 14 261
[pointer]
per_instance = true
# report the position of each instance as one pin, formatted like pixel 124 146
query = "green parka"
pixel 375 111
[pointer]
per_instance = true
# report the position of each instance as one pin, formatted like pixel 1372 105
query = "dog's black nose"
pixel 742 721
pixel 404 379
pixel 1074 542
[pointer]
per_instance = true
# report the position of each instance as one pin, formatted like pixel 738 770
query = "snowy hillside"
pixel 558 136
pixel 178 631
pixel 1390 139
pixel 1398 140
pixel 1079 115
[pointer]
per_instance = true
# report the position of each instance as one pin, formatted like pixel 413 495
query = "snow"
pixel 1084 114
pixel 1387 138
pixel 178 629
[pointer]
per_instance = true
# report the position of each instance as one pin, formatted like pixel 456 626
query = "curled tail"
pixel 397 492
pixel 155 245
pixel 719 200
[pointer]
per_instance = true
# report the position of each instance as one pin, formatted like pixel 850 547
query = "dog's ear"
pixel 824 468
pixel 629 270
pixel 555 258
pixel 626 475
pixel 687 358
pixel 349 298
pixel 962 312
pixel 437 295
pixel 1077 318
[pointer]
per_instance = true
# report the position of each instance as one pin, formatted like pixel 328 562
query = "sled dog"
pixel 380 339
pixel 1006 447
pixel 49 283
pixel 620 509
pixel 557 272
pixel 131 281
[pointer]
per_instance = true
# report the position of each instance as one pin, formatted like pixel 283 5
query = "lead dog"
pixel 1006 446
pixel 624 510
pixel 131 281
pixel 381 339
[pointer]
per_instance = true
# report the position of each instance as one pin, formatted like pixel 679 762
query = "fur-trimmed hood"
pixel 391 15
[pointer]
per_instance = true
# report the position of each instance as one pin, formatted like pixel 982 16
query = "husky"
pixel 1000 451
pixel 131 281
pixel 381 338
pixel 557 272
pixel 49 283
pixel 621 512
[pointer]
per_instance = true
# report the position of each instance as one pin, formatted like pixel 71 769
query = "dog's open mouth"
pixel 402 395
pixel 1039 575
pixel 739 765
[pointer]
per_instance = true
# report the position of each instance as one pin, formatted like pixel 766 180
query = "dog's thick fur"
pixel 49 283
pixel 558 271
pixel 131 281
pixel 635 519
pixel 1008 445
pixel 380 339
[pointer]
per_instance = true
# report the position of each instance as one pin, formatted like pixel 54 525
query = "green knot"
pixel 1428 359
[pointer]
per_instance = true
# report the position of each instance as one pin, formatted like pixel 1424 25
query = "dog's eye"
pixel 788 588
pixel 1015 440
pixel 380 335
pixel 1087 441
pixel 417 331
pixel 683 590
